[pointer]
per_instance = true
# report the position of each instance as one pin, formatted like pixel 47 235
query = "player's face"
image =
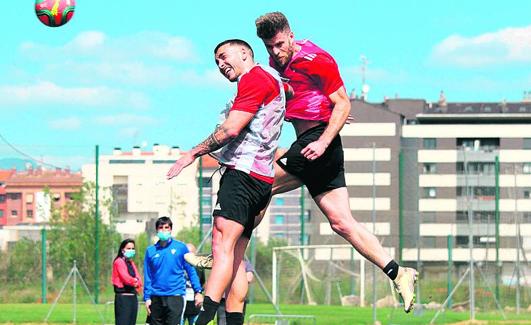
pixel 229 61
pixel 280 47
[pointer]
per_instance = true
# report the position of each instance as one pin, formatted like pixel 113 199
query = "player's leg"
pixel 335 206
pixel 225 234
pixel 235 295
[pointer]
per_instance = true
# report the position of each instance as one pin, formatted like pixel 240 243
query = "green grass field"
pixel 325 315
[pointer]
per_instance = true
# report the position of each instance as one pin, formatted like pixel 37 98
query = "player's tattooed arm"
pixel 219 138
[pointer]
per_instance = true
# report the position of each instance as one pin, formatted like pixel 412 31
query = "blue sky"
pixel 142 72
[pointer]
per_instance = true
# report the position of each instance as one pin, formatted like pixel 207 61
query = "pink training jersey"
pixel 313 74
pixel 260 91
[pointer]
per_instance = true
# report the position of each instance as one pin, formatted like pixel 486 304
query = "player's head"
pixel 163 224
pixel 233 57
pixel 273 28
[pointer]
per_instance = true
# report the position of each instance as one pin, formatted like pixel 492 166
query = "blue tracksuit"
pixel 164 269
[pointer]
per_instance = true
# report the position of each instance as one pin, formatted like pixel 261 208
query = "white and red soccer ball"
pixel 54 13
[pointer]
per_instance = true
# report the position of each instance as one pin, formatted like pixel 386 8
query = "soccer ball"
pixel 54 13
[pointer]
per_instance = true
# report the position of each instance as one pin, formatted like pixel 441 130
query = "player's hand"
pixel 148 306
pixel 186 159
pixel 198 299
pixel 314 150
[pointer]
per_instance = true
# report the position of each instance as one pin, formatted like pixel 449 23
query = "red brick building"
pixel 4 176
pixel 30 194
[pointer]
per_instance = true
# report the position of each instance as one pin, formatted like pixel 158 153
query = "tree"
pixel 71 237
pixel 22 261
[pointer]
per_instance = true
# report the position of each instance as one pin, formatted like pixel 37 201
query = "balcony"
pixel 483 154
pixel 481 203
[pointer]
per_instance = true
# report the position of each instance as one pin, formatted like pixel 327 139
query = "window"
pixel 526 168
pixel 461 241
pixel 279 219
pixel 429 192
pixel 429 143
pixel 527 193
pixel 428 241
pixel 526 217
pixel 120 161
pixel 29 198
pixel 71 196
pixel 429 217
pixel 527 143
pixel 14 213
pixel 280 201
pixel 14 196
pixel 484 144
pixel 56 197
pixel 1 213
pixel 308 215
pixel 2 198
pixel 207 181
pixel 478 192
pixel 163 161
pixel 29 213
pixel 479 217
pixel 480 168
pixel 429 168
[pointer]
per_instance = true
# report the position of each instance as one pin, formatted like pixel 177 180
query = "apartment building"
pixel 416 170
pixel 135 182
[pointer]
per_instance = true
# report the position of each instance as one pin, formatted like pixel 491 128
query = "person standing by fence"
pixel 127 283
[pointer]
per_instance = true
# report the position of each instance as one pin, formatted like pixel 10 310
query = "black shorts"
pixel 241 197
pixel 322 174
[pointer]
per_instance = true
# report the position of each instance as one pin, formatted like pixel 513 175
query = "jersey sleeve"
pixel 324 70
pixel 255 88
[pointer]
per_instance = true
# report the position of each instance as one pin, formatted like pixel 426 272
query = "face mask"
pixel 129 253
pixel 164 235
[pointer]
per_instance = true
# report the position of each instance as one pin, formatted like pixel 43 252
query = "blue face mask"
pixel 129 253
pixel 164 235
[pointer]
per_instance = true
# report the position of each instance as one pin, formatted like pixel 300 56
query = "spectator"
pixel 127 283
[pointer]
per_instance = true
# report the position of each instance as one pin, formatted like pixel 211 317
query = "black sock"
pixel 208 311
pixel 391 269
pixel 234 318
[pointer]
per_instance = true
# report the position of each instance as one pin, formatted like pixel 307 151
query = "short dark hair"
pixel 270 24
pixel 163 221
pixel 235 41
pixel 122 246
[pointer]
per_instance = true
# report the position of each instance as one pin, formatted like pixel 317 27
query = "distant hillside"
pixel 19 164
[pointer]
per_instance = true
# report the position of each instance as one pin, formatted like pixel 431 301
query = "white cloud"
pixel 209 78
pixel 509 45
pixel 95 44
pixel 130 132
pixel 150 59
pixel 125 119
pixel 45 93
pixel 68 123
pixel 87 41
pixel 375 75
pixel 170 47
pixel 131 73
